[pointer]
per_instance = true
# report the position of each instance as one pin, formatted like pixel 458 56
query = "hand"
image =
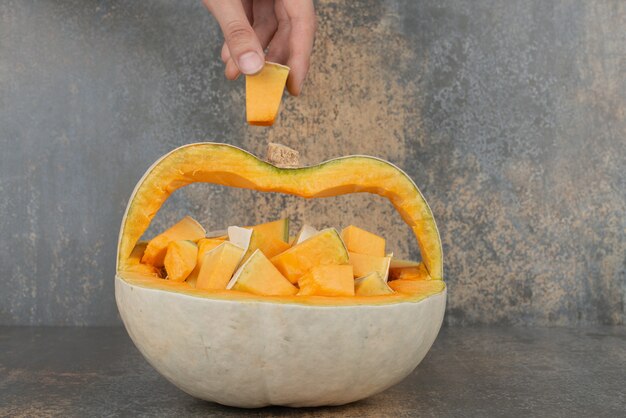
pixel 285 28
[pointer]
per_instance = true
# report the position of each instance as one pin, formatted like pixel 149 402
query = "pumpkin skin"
pixel 250 351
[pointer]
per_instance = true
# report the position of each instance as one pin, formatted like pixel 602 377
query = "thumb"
pixel 243 44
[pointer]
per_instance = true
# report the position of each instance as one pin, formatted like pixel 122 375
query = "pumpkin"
pixel 256 344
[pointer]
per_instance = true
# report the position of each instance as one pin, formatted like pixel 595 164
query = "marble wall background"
pixel 510 116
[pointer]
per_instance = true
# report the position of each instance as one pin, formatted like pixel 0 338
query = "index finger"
pixel 303 24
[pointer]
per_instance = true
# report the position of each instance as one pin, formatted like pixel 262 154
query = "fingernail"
pixel 250 63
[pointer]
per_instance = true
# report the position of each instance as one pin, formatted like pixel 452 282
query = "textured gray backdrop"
pixel 510 115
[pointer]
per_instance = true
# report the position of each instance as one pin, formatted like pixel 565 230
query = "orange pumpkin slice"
pixel 218 266
pixel 363 242
pixel 366 264
pixel 204 246
pixel 322 249
pixel 371 285
pixel 180 260
pixel 252 240
pixel 259 276
pixel 186 229
pixel 134 262
pixel 330 280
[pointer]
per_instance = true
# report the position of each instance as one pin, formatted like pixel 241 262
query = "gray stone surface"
pixel 511 116
pixel 469 372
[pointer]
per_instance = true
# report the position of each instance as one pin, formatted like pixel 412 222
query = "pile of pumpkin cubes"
pixel 264 260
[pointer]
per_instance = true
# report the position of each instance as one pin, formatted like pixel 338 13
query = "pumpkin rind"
pixel 252 353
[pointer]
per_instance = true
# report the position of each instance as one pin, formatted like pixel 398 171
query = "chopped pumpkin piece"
pixel 363 242
pixel 180 260
pixel 218 266
pixel 324 248
pixel 270 245
pixel 186 229
pixel 207 244
pixel 204 246
pixel 371 285
pixel 418 272
pixel 330 280
pixel 259 276
pixel 252 240
pixel 365 264
pixel 264 92
pixel 414 287
pixel 134 262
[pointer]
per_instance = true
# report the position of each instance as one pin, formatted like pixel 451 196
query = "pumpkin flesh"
pixel 360 241
pixel 322 249
pixel 186 229
pixel 180 260
pixel 366 264
pixel 218 266
pixel 371 285
pixel 264 92
pixel 329 280
pixel 259 276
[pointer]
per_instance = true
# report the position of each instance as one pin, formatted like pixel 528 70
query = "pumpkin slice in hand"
pixel 218 266
pixel 186 229
pixel 264 92
pixel 322 249
pixel 371 285
pixel 330 280
pixel 180 260
pixel 366 264
pixel 363 242
pixel 259 276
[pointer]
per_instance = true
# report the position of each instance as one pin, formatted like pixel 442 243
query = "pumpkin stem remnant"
pixel 282 156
